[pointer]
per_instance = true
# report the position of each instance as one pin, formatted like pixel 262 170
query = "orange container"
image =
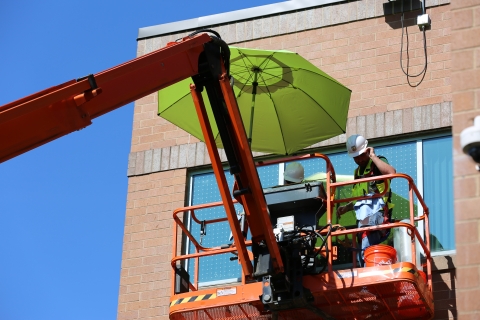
pixel 379 255
pixel 411 306
pixel 423 275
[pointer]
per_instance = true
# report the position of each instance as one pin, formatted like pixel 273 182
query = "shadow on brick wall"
pixel 409 19
pixel 444 287
pixel 393 11
pixel 399 6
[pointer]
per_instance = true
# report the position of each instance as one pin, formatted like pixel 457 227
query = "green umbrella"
pixel 286 103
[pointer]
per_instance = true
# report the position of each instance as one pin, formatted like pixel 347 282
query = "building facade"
pixel 466 102
pixel 415 120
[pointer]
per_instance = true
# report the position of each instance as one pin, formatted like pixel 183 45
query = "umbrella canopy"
pixel 286 103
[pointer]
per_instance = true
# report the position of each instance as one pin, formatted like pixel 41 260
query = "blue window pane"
pixel 342 163
pixel 205 190
pixel 438 191
pixel 403 157
pixel 312 166
pixel 268 176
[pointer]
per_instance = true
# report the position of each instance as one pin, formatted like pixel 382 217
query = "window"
pixel 204 190
pixel 402 156
pixel 427 161
pixel 438 191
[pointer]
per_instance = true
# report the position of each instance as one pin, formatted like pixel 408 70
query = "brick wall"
pixel 364 56
pixel 147 246
pixel 466 99
pixel 361 50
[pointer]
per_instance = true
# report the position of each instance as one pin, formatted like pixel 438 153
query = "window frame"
pixel 385 141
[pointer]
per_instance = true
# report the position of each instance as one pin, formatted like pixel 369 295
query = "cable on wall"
pixel 424 71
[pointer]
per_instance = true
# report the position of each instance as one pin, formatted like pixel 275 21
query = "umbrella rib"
pixel 247 58
pixel 312 100
pixel 174 103
pixel 273 102
pixel 266 88
pixel 246 68
pixel 266 60
pixel 276 112
pixel 245 84
pixel 279 124
pixel 326 76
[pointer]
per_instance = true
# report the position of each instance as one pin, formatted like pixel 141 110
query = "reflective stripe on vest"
pixel 363 188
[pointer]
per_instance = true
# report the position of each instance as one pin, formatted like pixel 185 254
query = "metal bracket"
pixel 91 81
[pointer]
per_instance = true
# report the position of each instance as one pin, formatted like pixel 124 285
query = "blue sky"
pixel 62 206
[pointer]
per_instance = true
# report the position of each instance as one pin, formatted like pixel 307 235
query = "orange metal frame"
pixel 52 113
pixel 253 200
pixel 49 114
pixel 222 181
pixel 337 292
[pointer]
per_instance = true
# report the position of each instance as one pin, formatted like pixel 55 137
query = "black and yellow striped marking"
pixel 201 297
pixel 405 269
pixel 380 272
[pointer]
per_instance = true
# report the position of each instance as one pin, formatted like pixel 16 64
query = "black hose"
pixel 324 241
pixel 327 252
pixel 205 31
pixel 424 71
pixel 224 49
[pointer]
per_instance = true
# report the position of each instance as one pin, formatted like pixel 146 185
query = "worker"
pixel 374 211
pixel 294 173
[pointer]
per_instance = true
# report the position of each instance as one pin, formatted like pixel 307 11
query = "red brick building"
pixel 358 43
pixel 466 101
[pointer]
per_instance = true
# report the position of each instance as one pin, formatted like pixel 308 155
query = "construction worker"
pixel 294 173
pixel 374 211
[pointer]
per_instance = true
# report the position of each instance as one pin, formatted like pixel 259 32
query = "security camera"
pixel 470 141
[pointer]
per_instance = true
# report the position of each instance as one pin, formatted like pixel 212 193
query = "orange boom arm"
pixel 52 113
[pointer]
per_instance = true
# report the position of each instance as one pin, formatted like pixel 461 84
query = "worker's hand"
pixel 342 210
pixel 371 152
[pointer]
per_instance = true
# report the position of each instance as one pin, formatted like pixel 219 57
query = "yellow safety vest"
pixel 364 188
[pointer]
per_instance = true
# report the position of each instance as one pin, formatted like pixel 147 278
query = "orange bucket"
pixel 423 275
pixel 379 255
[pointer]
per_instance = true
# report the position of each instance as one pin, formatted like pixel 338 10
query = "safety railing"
pixel 412 229
pixel 329 170
pixel 202 251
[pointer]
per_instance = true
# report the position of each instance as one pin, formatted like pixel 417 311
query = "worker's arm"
pixel 344 209
pixel 383 166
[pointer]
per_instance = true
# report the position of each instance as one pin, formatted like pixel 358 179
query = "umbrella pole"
pixel 254 93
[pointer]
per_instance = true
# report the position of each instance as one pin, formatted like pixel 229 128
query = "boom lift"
pixel 309 288
pixel 286 279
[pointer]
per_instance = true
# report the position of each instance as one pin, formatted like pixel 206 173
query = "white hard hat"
pixel 294 172
pixel 356 145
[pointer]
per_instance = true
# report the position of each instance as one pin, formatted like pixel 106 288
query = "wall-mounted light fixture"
pixel 470 141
